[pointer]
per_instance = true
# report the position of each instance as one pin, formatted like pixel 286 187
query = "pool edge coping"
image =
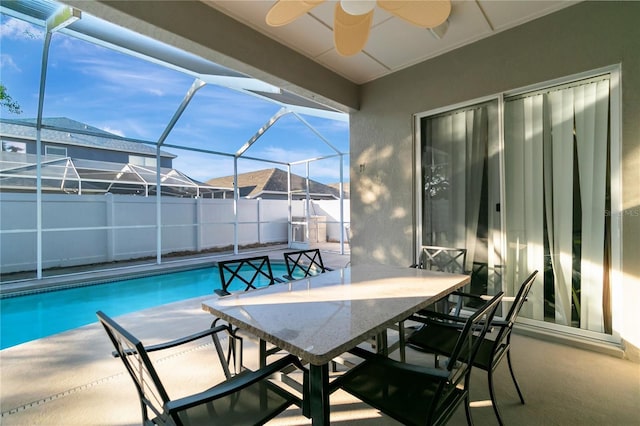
pixel 85 278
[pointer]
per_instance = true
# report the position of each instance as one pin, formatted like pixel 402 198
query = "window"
pixel 139 160
pixel 11 146
pixel 55 150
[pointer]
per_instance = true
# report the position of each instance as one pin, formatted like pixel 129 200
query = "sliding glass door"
pixel 524 183
pixel 461 188
pixel 557 182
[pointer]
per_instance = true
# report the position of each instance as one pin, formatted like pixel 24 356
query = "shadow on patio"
pixel 71 379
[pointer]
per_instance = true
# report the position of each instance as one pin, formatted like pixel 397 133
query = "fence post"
pixel 110 213
pixel 198 227
pixel 258 221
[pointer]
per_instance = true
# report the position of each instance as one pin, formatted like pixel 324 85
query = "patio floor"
pixel 71 379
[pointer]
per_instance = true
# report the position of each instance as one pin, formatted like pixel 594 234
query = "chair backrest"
pixel 470 338
pixel 304 263
pixel 130 350
pixel 516 306
pixel 520 298
pixel 245 274
pixel 153 395
pixel 444 259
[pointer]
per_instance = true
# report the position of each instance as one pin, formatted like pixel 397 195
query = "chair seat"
pixel 396 390
pixel 440 339
pixel 440 332
pixel 416 394
pixel 253 405
pixel 248 398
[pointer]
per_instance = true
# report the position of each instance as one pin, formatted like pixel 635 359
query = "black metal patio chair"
pixel 248 398
pixel 304 263
pixel 445 259
pixel 245 274
pixel 418 394
pixel 441 331
pixel 242 275
pixel 434 258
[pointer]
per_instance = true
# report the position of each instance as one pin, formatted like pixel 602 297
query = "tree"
pixel 6 101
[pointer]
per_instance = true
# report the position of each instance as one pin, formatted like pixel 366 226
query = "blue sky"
pixel 135 98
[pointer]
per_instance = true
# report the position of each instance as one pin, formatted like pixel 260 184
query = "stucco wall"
pixel 584 37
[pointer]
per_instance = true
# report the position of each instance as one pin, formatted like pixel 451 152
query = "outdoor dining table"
pixel 321 317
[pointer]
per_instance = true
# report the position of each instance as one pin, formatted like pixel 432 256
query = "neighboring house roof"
pixel 19 171
pixel 75 133
pixel 345 189
pixel 274 182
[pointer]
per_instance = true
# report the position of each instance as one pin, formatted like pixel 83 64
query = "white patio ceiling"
pixel 393 43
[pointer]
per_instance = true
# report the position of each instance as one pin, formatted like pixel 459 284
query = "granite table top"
pixel 321 317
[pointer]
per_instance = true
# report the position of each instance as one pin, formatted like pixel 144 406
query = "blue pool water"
pixel 33 316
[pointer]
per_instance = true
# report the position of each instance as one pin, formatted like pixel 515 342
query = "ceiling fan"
pixel 352 19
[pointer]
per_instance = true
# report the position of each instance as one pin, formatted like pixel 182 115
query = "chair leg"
pixel 513 376
pixel 262 354
pixel 402 343
pixel 467 409
pixel 237 356
pixel 492 393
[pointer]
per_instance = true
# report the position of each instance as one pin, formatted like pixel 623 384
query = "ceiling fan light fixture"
pixel 285 12
pixel 350 32
pixel 353 18
pixel 357 7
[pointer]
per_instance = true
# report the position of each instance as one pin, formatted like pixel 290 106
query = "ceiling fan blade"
pixel 350 32
pixel 425 14
pixel 284 12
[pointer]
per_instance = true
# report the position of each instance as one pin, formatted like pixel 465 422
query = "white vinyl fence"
pixel 88 229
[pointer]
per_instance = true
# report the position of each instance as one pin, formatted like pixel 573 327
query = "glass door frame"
pixel 615 134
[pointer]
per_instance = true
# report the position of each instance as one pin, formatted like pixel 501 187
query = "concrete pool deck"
pixel 71 378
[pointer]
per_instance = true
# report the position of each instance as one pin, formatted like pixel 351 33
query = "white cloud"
pixel 122 73
pixel 114 131
pixel 155 92
pixel 6 61
pixel 202 167
pixel 16 29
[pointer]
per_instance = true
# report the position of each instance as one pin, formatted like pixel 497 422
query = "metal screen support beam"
pixel 342 230
pixel 282 112
pixel 195 86
pixel 330 145
pixel 289 207
pixel 236 196
pixel 63 17
pixel 236 193
pixel 158 206
pixel 307 200
pixel 316 132
pixel 43 79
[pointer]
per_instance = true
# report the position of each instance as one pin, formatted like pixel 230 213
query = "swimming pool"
pixel 33 316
